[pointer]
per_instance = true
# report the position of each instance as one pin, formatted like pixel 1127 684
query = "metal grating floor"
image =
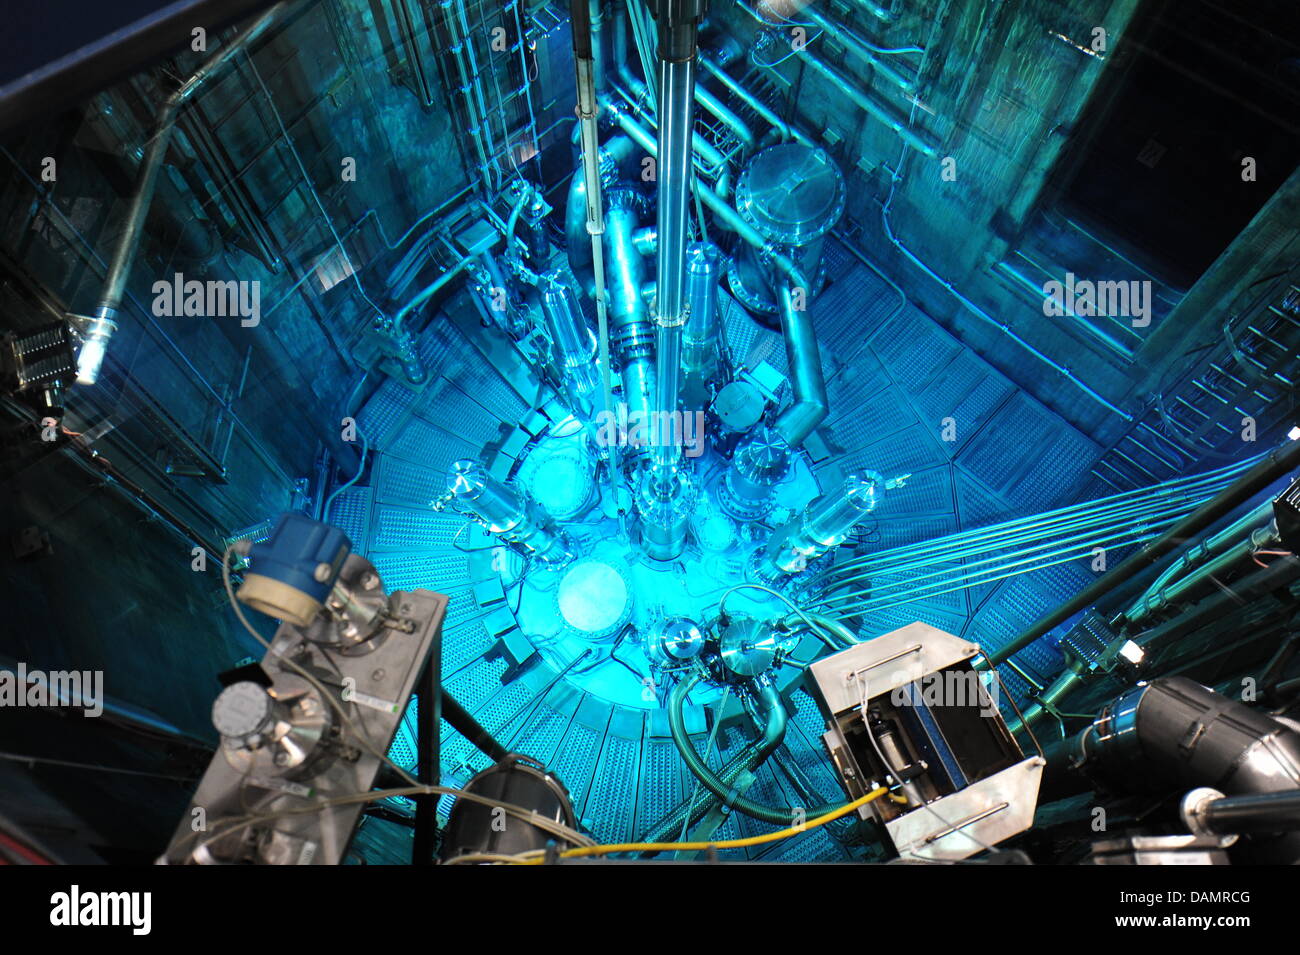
pixel 894 377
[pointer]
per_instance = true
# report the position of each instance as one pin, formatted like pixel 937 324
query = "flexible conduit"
pixel 773 734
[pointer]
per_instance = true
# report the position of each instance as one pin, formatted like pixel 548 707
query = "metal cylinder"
pixel 573 347
pixel 760 462
pixel 825 523
pixel 631 333
pixel 476 827
pixel 501 511
pixel 791 195
pixel 665 502
pixel 1175 732
pixel 673 174
pixel 700 335
pixel 811 404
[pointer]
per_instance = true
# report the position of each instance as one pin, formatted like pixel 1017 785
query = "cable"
pixel 361 467
pixel 814 628
pixel 537 857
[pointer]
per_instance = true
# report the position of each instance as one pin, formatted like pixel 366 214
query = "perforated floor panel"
pixel 905 396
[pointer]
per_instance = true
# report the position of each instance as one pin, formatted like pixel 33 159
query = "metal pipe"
pixel 708 159
pixel 463 722
pixel 1121 507
pixel 728 118
pixel 99 332
pixel 857 46
pixel 922 143
pixel 726 216
pixel 673 178
pixel 753 102
pixel 825 523
pixel 1271 466
pixel 475 86
pixel 1259 812
pixel 630 332
pixel 584 222
pixel 810 402
pixel 586 41
pixel 1197 554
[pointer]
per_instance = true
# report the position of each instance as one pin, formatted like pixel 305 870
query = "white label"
pixel 284 786
pixel 374 702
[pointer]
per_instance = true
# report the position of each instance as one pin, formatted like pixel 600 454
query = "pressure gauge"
pixel 242 710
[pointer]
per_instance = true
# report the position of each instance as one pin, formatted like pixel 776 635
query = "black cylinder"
pixel 1173 732
pixel 476 827
pixel 1262 812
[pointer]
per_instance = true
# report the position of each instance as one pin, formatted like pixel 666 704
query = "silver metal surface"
pixel 969 821
pixel 248 806
pixel 791 193
pixel 886 663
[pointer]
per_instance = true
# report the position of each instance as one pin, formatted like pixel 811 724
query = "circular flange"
pixel 791 193
pixel 749 647
pixel 674 640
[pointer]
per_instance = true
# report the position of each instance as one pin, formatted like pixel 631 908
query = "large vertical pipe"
pixel 627 309
pixel 678 39
pixel 589 76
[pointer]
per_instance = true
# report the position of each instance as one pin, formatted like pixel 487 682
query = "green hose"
pixel 773 734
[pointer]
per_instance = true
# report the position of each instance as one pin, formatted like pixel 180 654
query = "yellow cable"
pixel 724 844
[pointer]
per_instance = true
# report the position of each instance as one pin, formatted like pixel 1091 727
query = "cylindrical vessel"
pixel 825 523
pixel 502 511
pixel 792 195
pixel 761 460
pixel 1173 732
pixel 573 347
pixel 630 332
pixel 701 366
pixel 476 827
pixel 665 501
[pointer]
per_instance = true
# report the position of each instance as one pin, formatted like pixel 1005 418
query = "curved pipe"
pixel 726 217
pixel 99 332
pixel 831 625
pixel 773 734
pixel 612 155
pixel 724 115
pixel 810 402
pixel 707 157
